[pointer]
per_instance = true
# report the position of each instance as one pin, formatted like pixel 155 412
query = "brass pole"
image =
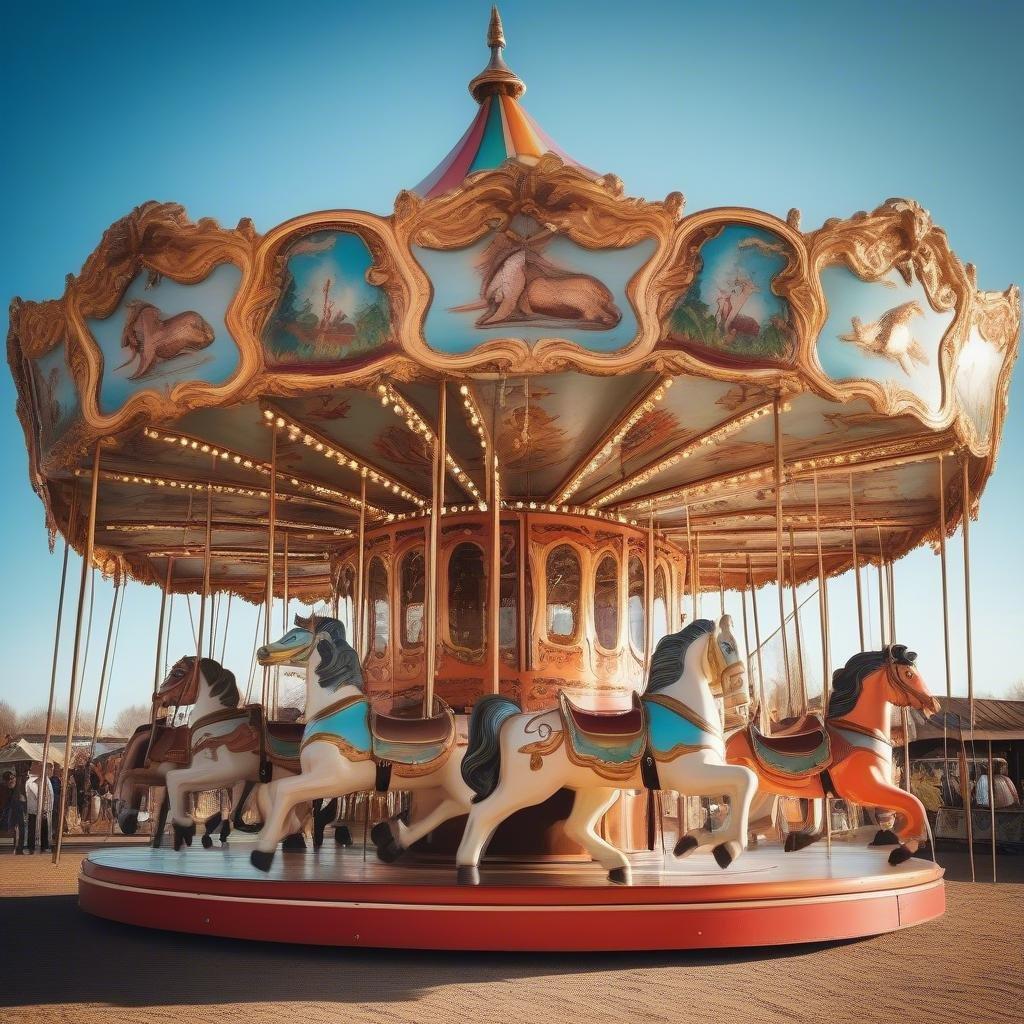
pixel 494 588
pixel 436 509
pixel 160 627
pixel 881 594
pixel 746 633
pixel 649 619
pixel 721 589
pixel 103 671
pixel 206 573
pixel 826 640
pixel 698 599
pixel 796 623
pixel 966 498
pixel 53 671
pixel 268 597
pixel 965 792
pixel 780 581
pixel 524 646
pixel 757 640
pixel 87 558
pixel 227 623
pixel 905 711
pixel 358 626
pixel 945 584
pixel 856 567
pixel 691 565
pixel 992 807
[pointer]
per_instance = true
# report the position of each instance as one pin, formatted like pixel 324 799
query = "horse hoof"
pixel 212 823
pixel 183 834
pixel 620 876
pixel 899 855
pixel 207 842
pixel 296 841
pixel 158 841
pixel 468 874
pixel 389 852
pixel 225 831
pixel 381 834
pixel 798 841
pixel 722 854
pixel 128 822
pixel 885 837
pixel 342 836
pixel 261 860
pixel 686 844
pixel 791 843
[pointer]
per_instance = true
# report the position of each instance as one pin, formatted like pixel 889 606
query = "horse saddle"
pixel 609 742
pixel 279 742
pixel 804 748
pixel 170 744
pixel 412 742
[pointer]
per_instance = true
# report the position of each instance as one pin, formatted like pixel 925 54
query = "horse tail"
pixel 481 767
pixel 236 819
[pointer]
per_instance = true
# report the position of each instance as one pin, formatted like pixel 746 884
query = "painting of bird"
pixel 891 336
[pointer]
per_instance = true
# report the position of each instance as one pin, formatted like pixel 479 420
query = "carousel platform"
pixel 334 897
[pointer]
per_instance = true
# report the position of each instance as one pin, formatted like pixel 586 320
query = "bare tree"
pixel 35 721
pixel 128 719
pixel 8 720
pixel 1016 690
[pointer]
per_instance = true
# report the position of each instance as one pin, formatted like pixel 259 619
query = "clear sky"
pixel 270 110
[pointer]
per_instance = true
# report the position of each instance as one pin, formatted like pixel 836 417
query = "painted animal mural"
pixel 891 336
pixel 850 753
pixel 347 748
pixel 521 285
pixel 151 339
pixel 671 738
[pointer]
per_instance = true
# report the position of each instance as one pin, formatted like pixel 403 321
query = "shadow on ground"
pixel 102 961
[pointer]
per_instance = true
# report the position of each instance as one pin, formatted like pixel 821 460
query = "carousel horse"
pixel 671 738
pixel 227 745
pixel 347 748
pixel 849 755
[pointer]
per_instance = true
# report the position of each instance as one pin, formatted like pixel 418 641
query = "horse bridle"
pixel 183 692
pixel 892 673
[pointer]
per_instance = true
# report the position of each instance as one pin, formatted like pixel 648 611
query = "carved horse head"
pixel 318 644
pixel 187 676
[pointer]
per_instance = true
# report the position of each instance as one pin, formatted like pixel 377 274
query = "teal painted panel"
pixel 527 283
pixel 883 331
pixel 161 336
pixel 351 724
pixel 56 395
pixel 328 313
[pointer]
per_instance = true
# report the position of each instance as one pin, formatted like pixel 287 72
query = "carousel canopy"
pixel 624 360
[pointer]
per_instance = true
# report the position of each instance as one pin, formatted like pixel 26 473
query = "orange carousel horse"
pixel 850 754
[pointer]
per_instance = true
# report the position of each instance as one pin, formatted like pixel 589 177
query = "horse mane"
pixel 848 681
pixel 221 681
pixel 339 664
pixel 669 655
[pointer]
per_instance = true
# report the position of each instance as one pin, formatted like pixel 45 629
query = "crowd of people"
pixel 28 798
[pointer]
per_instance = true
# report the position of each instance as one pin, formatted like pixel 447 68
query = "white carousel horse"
pixel 346 748
pixel 224 746
pixel 672 738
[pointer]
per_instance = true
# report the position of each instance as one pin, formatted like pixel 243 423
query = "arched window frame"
pixel 581 615
pixel 631 556
pixel 370 611
pixel 404 555
pixel 464 653
pixel 593 563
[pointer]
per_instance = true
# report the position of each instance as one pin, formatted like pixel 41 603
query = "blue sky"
pixel 269 111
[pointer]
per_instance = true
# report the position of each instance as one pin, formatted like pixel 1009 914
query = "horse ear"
pixel 302 621
pixel 725 624
pixel 911 656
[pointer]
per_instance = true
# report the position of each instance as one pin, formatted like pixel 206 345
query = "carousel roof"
pixel 501 130
pixel 624 360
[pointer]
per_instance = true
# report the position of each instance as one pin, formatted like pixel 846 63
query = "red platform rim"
pixel 530 915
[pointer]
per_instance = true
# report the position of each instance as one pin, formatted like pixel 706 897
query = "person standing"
pixel 38 801
pixel 55 785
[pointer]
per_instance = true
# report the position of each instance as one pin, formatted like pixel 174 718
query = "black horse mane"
pixel 221 682
pixel 339 664
pixel 848 681
pixel 667 662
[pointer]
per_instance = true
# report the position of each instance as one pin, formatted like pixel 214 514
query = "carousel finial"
pixel 497 77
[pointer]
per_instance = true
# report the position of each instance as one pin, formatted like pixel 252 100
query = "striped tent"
pixel 501 130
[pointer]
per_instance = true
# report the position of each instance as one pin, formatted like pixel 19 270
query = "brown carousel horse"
pixel 849 754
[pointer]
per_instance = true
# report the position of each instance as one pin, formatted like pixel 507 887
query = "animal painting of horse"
pixel 346 748
pixel 848 755
pixel 151 339
pixel 671 738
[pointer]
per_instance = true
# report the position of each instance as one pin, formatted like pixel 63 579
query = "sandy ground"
pixel 58 964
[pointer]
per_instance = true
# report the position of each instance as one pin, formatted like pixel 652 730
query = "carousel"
pixel 516 474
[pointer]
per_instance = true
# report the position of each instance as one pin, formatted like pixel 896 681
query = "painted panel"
pixel 56 395
pixel 166 333
pixel 731 309
pixel 530 282
pixel 977 374
pixel 882 330
pixel 328 313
